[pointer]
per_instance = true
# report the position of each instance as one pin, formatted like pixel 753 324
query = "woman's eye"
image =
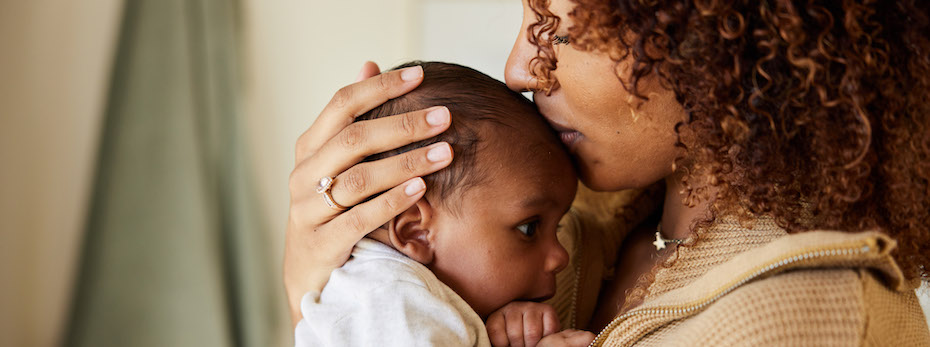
pixel 560 40
pixel 528 229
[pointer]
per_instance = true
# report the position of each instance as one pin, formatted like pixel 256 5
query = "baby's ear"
pixel 411 232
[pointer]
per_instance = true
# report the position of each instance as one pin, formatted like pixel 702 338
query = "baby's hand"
pixel 570 338
pixel 522 324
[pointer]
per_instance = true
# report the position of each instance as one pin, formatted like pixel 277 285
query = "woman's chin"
pixel 603 178
pixel 598 184
pixel 592 177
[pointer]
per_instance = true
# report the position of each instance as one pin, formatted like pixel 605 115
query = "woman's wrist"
pixel 295 293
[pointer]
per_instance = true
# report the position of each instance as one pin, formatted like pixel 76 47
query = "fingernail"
pixel 439 153
pixel 414 187
pixel 411 73
pixel 437 117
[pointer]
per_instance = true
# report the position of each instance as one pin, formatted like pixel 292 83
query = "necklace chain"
pixel 660 241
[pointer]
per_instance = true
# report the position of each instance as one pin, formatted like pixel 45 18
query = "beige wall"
pixel 54 69
pixel 298 54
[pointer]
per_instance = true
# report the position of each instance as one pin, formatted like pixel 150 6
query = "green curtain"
pixel 175 251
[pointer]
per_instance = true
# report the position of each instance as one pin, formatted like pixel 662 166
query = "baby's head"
pixel 487 224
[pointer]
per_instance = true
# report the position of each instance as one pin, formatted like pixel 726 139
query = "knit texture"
pixel 727 239
pixel 811 308
pixel 836 300
pixel 832 299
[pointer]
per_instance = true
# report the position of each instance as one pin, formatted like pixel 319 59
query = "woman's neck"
pixel 676 216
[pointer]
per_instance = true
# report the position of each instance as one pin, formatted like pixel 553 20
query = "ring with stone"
pixel 326 184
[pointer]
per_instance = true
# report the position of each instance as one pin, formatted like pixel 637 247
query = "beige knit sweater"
pixel 739 286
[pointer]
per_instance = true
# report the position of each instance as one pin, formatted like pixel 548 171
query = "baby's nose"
pixel 557 259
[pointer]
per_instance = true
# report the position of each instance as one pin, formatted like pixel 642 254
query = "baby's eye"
pixel 560 40
pixel 528 229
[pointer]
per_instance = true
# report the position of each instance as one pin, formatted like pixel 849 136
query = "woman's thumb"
pixel 369 69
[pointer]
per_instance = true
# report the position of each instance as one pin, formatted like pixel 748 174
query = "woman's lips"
pixel 569 137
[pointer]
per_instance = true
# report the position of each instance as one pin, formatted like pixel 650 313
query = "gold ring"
pixel 326 184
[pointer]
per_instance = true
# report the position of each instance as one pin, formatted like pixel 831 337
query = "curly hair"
pixel 814 113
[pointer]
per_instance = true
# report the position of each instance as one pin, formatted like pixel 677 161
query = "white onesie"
pixel 380 297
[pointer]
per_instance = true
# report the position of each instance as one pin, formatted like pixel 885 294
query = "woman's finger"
pixel 369 70
pixel 354 100
pixel 364 180
pixel 361 139
pixel 580 338
pixel 365 138
pixel 350 226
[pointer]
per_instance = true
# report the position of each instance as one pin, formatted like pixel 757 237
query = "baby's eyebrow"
pixel 535 201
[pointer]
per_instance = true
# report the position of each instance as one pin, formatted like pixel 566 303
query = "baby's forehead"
pixel 519 171
pixel 505 149
pixel 515 171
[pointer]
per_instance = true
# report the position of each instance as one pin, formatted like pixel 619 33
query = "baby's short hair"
pixel 474 100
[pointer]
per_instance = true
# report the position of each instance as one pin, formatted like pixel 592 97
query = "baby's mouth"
pixel 548 294
pixel 543 298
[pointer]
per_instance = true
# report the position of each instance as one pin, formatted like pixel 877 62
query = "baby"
pixel 483 236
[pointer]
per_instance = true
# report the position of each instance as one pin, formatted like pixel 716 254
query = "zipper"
pixel 573 317
pixel 574 309
pixel 860 248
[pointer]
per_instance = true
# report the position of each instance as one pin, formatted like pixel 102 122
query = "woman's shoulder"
pixel 834 287
pixel 812 306
pixel 820 287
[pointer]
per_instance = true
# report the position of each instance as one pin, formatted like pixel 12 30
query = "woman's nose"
pixel 516 72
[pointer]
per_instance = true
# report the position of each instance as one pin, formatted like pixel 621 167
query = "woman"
pixel 792 140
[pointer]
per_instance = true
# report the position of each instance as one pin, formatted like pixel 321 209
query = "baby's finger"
pixel 354 100
pixel 551 323
pixel 497 329
pixel 364 218
pixel 515 329
pixel 532 328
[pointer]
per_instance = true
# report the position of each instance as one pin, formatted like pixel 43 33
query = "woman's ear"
pixel 412 233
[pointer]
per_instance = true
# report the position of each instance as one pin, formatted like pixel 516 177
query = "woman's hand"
pixel 568 338
pixel 522 324
pixel 320 238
